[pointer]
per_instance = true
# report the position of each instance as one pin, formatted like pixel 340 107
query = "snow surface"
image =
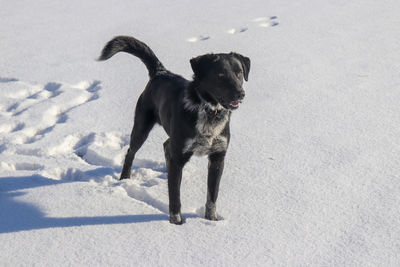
pixel 312 172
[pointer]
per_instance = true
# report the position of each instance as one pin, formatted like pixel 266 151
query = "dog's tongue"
pixel 235 104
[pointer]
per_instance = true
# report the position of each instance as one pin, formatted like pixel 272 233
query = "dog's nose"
pixel 240 94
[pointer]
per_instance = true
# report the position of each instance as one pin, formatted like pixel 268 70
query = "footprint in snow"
pixel 148 184
pixel 266 22
pixel 198 38
pixel 263 22
pixel 235 31
pixel 30 111
pixel 106 151
pixel 33 110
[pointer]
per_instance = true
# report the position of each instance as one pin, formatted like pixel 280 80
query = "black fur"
pixel 135 47
pixel 195 114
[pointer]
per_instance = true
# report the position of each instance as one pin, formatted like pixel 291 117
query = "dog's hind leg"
pixel 143 123
pixel 166 153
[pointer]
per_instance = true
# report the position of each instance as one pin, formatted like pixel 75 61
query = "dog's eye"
pixel 221 74
pixel 239 74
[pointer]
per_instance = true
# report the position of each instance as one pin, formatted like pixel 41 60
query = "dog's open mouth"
pixel 234 104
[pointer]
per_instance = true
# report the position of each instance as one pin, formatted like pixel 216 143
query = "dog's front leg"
pixel 174 190
pixel 215 169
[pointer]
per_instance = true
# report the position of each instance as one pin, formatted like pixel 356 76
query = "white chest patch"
pixel 208 137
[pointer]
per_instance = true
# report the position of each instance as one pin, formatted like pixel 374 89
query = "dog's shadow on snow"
pixel 18 216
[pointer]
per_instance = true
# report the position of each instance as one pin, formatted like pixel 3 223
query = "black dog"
pixel 194 114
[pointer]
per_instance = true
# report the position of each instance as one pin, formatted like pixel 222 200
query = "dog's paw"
pixel 211 217
pixel 211 212
pixel 125 174
pixel 175 218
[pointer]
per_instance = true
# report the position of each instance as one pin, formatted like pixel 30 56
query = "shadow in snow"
pixel 16 215
pixel 7 80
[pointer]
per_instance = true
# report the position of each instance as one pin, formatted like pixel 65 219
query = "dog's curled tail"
pixel 135 47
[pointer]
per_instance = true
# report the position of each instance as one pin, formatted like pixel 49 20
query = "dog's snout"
pixel 240 94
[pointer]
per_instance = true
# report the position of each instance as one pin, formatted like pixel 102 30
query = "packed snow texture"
pixel 312 172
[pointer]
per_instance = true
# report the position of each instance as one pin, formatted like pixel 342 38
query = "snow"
pixel 312 173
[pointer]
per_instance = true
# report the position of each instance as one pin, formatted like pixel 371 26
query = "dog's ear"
pixel 245 64
pixel 200 65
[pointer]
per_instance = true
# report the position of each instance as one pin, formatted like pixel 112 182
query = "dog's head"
pixel 221 77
